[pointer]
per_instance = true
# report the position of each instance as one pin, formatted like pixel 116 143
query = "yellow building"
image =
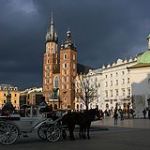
pixel 5 90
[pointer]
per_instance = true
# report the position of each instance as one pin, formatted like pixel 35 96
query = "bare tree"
pixel 85 90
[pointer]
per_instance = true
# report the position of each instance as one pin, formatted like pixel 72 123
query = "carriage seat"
pixel 10 118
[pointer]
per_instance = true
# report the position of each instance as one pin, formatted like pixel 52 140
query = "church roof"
pixel 144 58
pixel 140 66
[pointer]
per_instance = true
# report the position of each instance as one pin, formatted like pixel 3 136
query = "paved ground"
pixel 127 123
pixel 127 135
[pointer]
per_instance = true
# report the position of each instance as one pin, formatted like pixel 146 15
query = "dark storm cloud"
pixel 102 30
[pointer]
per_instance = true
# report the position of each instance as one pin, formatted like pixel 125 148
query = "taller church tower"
pixel 51 61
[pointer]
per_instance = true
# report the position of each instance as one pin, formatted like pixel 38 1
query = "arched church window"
pixel 56 82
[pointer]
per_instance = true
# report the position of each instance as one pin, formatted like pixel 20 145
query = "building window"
pixel 65 56
pixel 74 57
pixel 64 65
pixel 106 76
pixel 111 75
pixel 129 92
pixel 123 92
pixel 106 94
pixel 116 82
pixel 123 81
pixel 116 74
pixel 111 93
pixel 106 84
pixel 117 93
pixel 122 72
pixel 128 80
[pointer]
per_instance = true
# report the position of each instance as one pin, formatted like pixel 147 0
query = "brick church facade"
pixel 59 70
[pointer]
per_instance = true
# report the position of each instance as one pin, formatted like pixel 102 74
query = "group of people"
pixel 122 114
pixel 118 112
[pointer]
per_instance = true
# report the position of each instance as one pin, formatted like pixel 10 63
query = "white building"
pixel 121 83
pixel 113 85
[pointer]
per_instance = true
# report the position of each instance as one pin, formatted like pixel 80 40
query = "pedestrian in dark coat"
pixel 148 113
pixel 144 113
pixel 115 117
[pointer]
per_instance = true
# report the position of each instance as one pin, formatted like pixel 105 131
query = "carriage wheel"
pixel 42 131
pixel 53 133
pixel 8 133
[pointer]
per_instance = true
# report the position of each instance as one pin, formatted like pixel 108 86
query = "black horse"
pixel 83 119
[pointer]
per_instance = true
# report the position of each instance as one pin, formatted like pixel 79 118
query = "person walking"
pixel 144 113
pixel 148 113
pixel 121 114
pixel 115 117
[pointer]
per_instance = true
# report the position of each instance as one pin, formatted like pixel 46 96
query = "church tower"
pixel 51 61
pixel 68 72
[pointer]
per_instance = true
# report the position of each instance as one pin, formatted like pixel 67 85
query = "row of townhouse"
pixel 31 96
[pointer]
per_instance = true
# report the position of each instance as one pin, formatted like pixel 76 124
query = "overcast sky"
pixel 103 31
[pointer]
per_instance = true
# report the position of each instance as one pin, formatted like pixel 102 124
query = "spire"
pixel 52 19
pixel 52 24
pixel 51 35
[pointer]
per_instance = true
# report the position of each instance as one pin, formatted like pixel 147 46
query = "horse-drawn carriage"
pixel 13 126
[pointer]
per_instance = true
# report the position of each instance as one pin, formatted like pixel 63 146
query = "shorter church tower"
pixel 68 72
